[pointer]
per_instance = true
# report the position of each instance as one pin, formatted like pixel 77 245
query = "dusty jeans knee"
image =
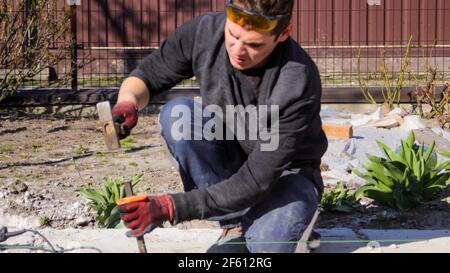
pixel 201 163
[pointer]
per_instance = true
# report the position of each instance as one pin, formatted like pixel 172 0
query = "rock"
pixel 82 221
pixel 350 148
pixel 378 114
pixel 354 163
pixel 397 112
pixel 334 177
pixel 412 123
pixel 324 167
pixel 49 196
pixel 18 187
pixel 359 120
pixel 440 132
pixel 387 122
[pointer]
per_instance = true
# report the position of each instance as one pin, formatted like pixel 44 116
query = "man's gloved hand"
pixel 144 216
pixel 126 114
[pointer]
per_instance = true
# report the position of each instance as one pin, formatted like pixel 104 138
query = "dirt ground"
pixel 44 160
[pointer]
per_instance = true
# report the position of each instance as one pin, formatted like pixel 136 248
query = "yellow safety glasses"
pixel 255 21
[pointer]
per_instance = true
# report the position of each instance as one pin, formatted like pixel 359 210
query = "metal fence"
pixel 116 35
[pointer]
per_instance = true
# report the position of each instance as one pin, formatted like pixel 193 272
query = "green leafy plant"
pixel 405 178
pixel 133 164
pixel 103 200
pixel 128 143
pixel 44 221
pixel 339 199
pixel 445 154
pixel 80 149
pixel 7 148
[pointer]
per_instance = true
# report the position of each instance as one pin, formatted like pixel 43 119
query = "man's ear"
pixel 286 33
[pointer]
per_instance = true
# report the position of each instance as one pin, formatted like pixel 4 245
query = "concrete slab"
pixel 169 240
pixel 338 240
pixel 172 240
pixel 407 241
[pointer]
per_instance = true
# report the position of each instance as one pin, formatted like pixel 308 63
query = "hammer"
pixel 110 129
pixel 110 132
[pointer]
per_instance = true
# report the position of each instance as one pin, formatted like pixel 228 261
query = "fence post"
pixel 73 35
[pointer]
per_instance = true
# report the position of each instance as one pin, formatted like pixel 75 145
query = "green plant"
pixel 405 178
pixel 133 164
pixel 445 154
pixel 80 149
pixel 35 147
pixel 21 177
pixel 128 143
pixel 102 155
pixel 44 221
pixel 339 199
pixel 7 148
pixel 392 84
pixel 103 200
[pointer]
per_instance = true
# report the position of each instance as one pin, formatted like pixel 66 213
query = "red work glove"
pixel 144 216
pixel 126 114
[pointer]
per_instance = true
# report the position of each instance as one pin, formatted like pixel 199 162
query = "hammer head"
pixel 110 130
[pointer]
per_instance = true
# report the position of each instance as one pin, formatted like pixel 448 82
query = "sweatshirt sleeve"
pixel 172 62
pixel 262 169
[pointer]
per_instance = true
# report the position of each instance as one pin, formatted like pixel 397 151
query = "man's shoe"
pixel 231 241
pixel 314 240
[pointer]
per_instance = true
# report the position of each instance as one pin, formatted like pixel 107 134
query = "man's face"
pixel 250 49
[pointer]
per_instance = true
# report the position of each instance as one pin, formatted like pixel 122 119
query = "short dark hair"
pixel 270 8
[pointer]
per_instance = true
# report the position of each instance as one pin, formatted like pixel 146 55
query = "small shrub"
pixel 80 149
pixel 437 98
pixel 128 143
pixel 392 82
pixel 405 178
pixel 339 199
pixel 103 200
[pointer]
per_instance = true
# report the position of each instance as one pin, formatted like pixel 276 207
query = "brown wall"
pixel 118 33
pixel 113 23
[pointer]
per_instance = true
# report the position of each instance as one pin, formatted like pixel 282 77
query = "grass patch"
pixel 133 164
pixel 44 221
pixel 7 148
pixel 35 147
pixel 22 177
pixel 128 143
pixel 101 155
pixel 104 161
pixel 80 149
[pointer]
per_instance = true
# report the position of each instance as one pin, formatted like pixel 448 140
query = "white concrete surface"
pixel 173 240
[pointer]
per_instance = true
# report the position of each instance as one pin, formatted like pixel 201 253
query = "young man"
pixel 263 195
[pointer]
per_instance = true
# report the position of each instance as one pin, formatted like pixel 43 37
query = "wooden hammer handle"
pixel 140 240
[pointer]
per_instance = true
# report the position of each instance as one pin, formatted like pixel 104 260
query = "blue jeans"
pixel 276 223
